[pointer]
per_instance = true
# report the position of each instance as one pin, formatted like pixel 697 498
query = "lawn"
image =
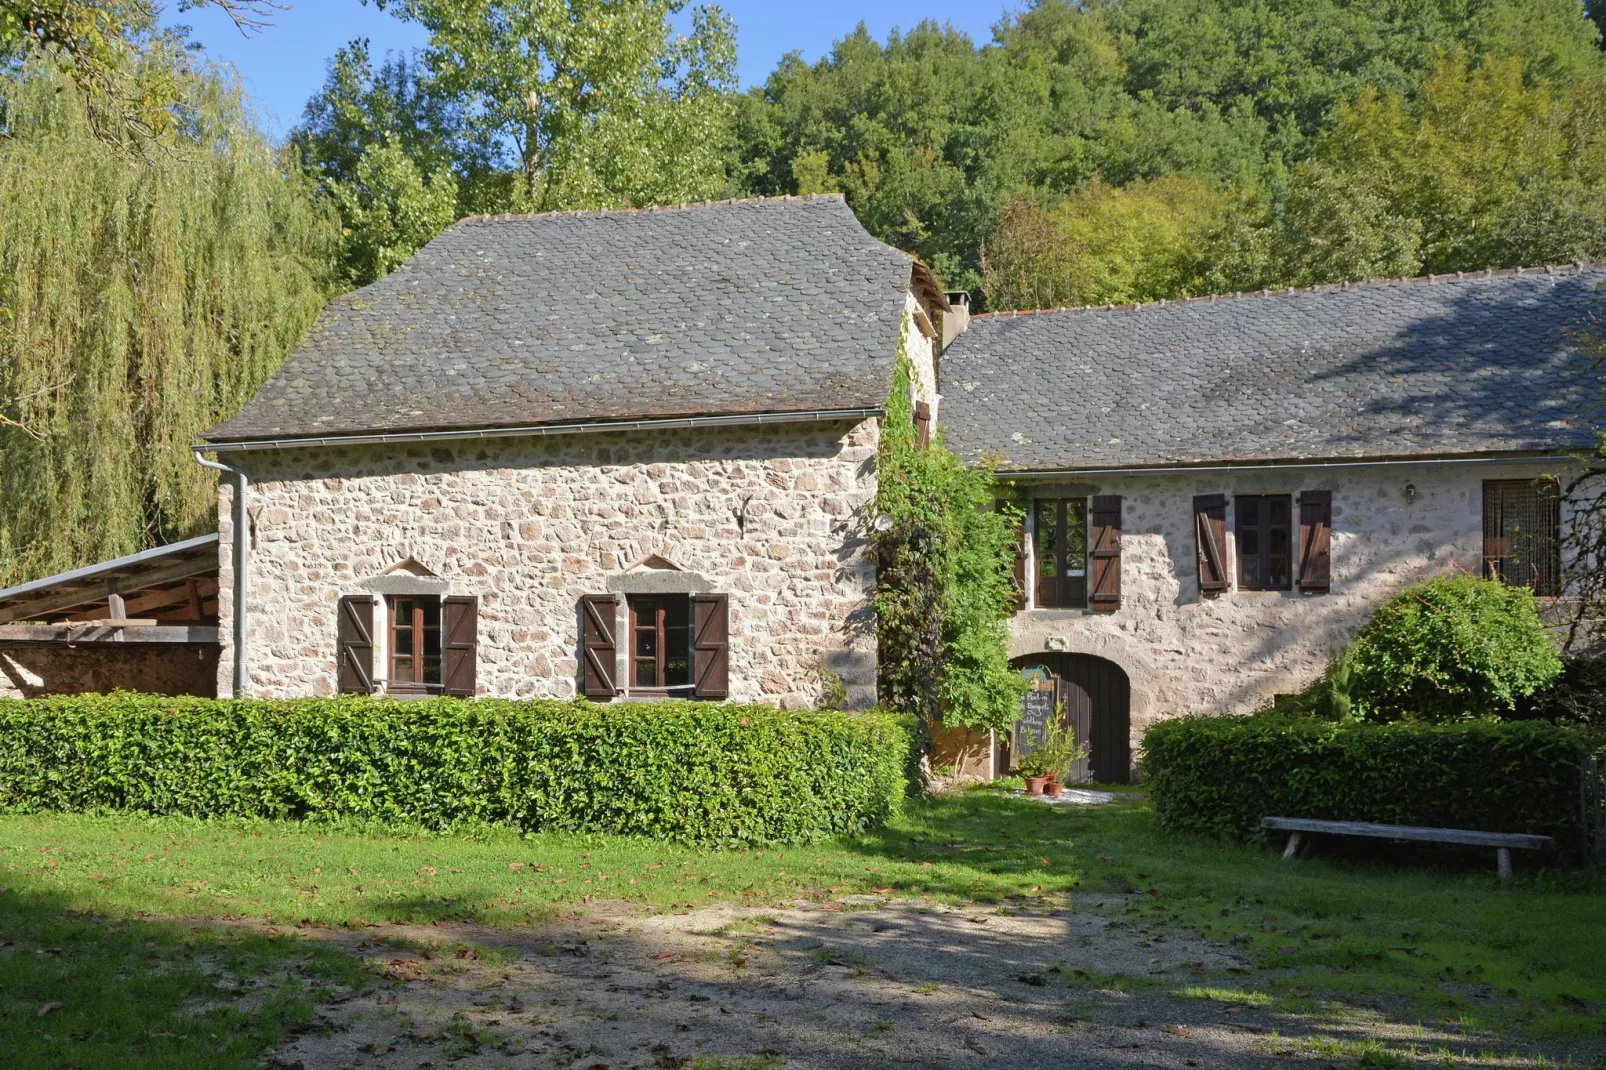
pixel 88 903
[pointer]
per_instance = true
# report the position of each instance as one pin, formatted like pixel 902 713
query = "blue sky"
pixel 285 64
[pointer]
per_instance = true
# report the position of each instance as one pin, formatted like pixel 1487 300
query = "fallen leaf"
pixel 1301 992
pixel 1178 1031
pixel 48 1007
pixel 514 867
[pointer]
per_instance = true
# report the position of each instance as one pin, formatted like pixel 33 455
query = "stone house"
pixel 615 454
pixel 1220 490
pixel 627 454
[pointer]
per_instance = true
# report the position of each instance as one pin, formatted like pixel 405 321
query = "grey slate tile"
pixel 1403 368
pixel 779 305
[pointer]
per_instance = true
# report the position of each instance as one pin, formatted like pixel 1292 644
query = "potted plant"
pixel 1034 765
pixel 1058 755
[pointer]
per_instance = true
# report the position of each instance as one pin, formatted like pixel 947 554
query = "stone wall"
pixel 768 514
pixel 1184 653
pixel 154 668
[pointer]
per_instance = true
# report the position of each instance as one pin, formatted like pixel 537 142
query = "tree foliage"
pixel 942 146
pixel 528 105
pixel 143 297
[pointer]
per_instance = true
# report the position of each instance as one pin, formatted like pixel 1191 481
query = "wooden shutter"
pixel 354 635
pixel 1104 552
pixel 460 621
pixel 710 648
pixel 999 505
pixel 922 424
pixel 1210 531
pixel 1315 541
pixel 599 651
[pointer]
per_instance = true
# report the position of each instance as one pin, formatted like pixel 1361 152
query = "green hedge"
pixel 1221 775
pixel 679 770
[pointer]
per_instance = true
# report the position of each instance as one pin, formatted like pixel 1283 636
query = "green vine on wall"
pixel 945 588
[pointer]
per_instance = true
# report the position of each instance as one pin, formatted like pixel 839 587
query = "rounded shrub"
pixel 1451 649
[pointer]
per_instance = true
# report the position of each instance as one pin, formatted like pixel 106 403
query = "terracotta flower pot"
pixel 1052 788
pixel 1034 785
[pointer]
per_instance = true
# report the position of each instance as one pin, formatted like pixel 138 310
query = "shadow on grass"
pixel 77 990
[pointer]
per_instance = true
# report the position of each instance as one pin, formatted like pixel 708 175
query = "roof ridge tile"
pixel 586 213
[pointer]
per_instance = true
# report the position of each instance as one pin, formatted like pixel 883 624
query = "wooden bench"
pixel 1503 842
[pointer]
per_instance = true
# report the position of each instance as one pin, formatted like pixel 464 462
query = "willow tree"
pixel 149 282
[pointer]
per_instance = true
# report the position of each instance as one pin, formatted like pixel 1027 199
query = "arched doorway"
pixel 1095 698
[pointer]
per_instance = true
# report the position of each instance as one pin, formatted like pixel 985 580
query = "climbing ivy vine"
pixel 945 556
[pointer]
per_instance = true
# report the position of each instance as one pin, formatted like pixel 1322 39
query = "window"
pixel 415 644
pixel 1522 533
pixel 1265 541
pixel 1061 543
pixel 660 641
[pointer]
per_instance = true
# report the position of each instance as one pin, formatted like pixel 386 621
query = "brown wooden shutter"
pixel 710 655
pixel 354 637
pixel 999 505
pixel 599 652
pixel 1315 541
pixel 460 622
pixel 1104 550
pixel 922 424
pixel 1210 530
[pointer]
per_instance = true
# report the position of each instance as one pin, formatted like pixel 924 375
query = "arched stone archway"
pixel 1095 698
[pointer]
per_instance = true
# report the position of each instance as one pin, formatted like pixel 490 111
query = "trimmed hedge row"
pixel 678 770
pixel 1221 775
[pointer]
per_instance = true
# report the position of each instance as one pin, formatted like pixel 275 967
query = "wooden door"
pixel 1096 698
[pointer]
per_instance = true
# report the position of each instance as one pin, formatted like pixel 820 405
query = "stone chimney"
pixel 957 318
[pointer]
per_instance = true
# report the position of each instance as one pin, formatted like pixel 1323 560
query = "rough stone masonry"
pixel 767 514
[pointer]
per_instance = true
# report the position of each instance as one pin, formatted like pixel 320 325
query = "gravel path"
pixel 838 986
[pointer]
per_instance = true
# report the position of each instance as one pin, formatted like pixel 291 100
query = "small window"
pixel 1522 533
pixel 660 642
pixel 1060 541
pixel 415 644
pixel 1265 541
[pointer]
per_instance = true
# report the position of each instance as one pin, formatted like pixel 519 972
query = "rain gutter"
pixel 1133 470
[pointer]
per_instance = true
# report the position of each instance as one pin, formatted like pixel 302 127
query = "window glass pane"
pixel 677 642
pixel 403 641
pixel 404 670
pixel 432 670
pixel 646 672
pixel 1075 536
pixel 1048 538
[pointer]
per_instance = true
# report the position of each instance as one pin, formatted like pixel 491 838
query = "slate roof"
pixel 758 306
pixel 1445 365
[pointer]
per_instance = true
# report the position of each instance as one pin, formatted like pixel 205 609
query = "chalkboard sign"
pixel 1036 714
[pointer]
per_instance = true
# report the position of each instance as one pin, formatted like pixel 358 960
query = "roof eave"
pixel 1249 464
pixel 476 434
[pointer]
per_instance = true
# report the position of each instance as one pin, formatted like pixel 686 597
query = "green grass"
pixel 1326 938
pixel 83 991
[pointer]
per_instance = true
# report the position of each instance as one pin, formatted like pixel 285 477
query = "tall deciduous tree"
pixel 599 103
pixel 143 297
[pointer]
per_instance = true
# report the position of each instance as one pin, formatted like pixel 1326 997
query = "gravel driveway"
pixel 838 986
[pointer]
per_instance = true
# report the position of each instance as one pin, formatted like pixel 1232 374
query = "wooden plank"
pixel 61 600
pixel 24 635
pixel 1518 840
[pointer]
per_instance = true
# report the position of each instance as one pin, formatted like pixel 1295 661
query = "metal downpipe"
pixel 242 545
